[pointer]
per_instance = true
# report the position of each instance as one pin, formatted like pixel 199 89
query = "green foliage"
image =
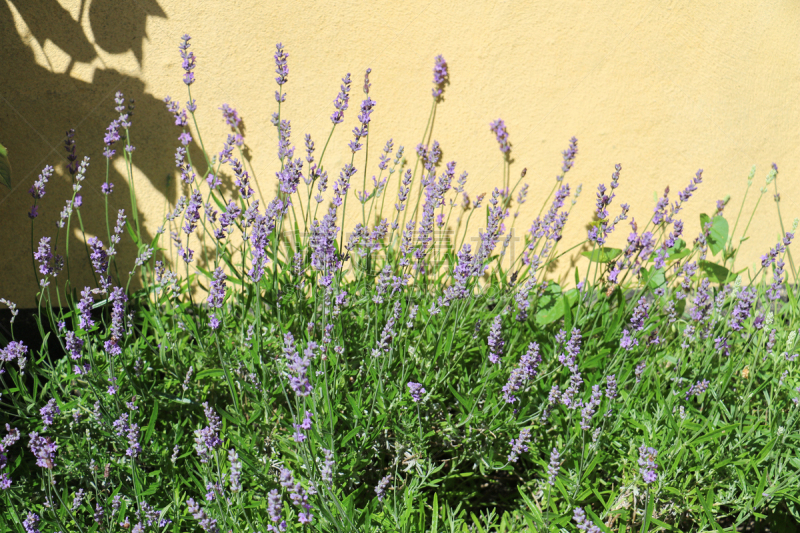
pixel 386 383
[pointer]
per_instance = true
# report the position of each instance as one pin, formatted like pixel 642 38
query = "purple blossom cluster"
pixel 526 370
pixel 569 158
pixel 216 295
pixel 49 412
pixel 602 229
pixel 282 70
pixel 697 388
pixel 274 509
pixel 123 427
pixel 440 76
pixel 189 60
pixel 342 100
pixel 206 439
pixel 206 523
pixel 367 106
pixel 49 264
pixel 298 495
pixel 498 127
pixel 519 445
pixel 416 390
pixel 299 435
pixel 14 351
pixel 553 467
pixel 495 340
pixel 297 365
pixel 647 464
pixel 44 450
pixel 383 484
pixel 12 436
pixel 583 523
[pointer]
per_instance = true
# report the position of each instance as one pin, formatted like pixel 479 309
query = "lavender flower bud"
pixel 236 471
pixel 647 465
pixel 282 70
pixel 342 100
pixel 440 77
pixel 416 390
pixel 498 127
pixel 326 470
pixel 582 523
pixel 495 340
pixel 380 489
pixel 519 445
pixel 189 60
pixel 526 370
pixel 48 412
pixel 44 449
pixel 552 470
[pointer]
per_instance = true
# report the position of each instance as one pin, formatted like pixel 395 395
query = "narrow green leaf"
pixel 151 425
pixel 435 518
pixel 707 502
pixel 596 519
pixel 648 513
pixel 349 436
pixel 602 255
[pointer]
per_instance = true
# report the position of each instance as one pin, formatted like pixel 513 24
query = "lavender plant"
pixel 265 370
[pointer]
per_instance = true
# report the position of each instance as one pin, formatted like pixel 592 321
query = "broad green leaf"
pixel 655 277
pixel 718 234
pixel 5 167
pixel 551 307
pixel 602 255
pixel 549 311
pixel 716 273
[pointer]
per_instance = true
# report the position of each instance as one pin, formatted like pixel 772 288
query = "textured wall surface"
pixel 663 88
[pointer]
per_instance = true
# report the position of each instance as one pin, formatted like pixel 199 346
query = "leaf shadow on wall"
pixel 43 94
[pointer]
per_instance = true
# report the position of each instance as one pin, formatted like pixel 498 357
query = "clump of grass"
pixel 273 373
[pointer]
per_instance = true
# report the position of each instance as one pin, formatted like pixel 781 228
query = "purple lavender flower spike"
pixel 297 365
pixel 31 523
pixel 342 101
pixel 383 484
pixel 498 127
pixel 49 412
pixel 647 464
pixel 44 449
pixel 37 190
pixel 582 523
pixel 274 508
pixel 216 295
pixel 206 523
pixel 525 371
pixel 207 439
pixel 231 116
pixel 282 70
pixel 189 60
pixel 495 340
pixel 569 157
pixel 519 445
pixel 552 469
pixel 440 77
pixel 416 390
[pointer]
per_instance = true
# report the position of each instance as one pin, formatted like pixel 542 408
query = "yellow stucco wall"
pixel 662 87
